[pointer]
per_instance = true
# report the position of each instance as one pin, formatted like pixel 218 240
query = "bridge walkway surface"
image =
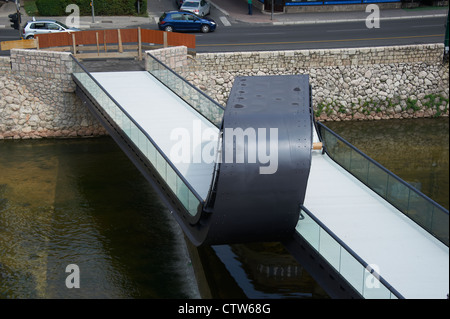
pixel 408 257
pixel 374 245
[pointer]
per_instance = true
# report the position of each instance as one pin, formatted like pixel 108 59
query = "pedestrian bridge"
pixel 262 169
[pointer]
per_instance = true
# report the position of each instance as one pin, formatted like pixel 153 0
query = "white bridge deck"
pixel 168 120
pixel 410 259
pixel 407 257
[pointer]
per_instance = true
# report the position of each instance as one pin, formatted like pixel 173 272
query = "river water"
pixel 81 201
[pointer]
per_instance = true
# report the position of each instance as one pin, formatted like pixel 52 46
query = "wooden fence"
pixel 106 43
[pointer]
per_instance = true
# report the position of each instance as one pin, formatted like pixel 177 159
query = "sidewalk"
pixel 235 11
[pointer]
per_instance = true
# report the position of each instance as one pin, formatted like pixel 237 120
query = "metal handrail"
pixel 201 200
pixel 352 253
pixel 187 83
pixel 388 172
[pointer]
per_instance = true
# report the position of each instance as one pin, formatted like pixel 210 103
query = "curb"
pixel 357 20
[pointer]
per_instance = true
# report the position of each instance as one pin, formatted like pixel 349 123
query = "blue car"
pixel 185 21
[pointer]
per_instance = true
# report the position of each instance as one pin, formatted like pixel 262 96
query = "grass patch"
pixel 30 8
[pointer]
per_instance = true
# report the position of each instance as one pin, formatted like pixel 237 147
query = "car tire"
pixel 30 37
pixel 205 28
pixel 169 28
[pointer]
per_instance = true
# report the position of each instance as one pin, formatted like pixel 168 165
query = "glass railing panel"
pixel 182 192
pixel 439 225
pixel 210 109
pixel 330 249
pixel 359 167
pixel 310 230
pixel 400 194
pixel 172 180
pixel 352 268
pixel 142 142
pixel 373 289
pixel 151 152
pixel 377 179
pixel 193 204
pixel 161 166
pixel 176 183
pixel 124 122
pixel 420 210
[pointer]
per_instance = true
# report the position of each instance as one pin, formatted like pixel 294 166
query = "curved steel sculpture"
pixel 263 164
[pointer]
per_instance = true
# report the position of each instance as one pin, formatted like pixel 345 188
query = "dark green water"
pixel 83 202
pixel 417 150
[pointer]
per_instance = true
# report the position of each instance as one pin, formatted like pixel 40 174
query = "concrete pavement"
pixel 237 9
pixel 231 12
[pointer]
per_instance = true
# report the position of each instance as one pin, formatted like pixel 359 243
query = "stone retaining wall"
pixel 360 83
pixel 37 98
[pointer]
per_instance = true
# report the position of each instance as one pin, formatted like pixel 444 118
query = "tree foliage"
pixel 101 7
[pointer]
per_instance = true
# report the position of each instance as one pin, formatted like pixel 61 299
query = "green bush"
pixel 101 7
pixel 110 7
pixel 52 7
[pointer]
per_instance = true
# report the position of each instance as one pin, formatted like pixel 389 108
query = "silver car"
pixel 199 7
pixel 34 27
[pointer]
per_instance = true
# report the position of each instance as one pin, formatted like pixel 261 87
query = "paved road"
pixel 323 36
pixel 237 31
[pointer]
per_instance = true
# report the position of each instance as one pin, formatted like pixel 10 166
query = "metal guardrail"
pixel 197 99
pixel 186 194
pixel 417 206
pixel 352 268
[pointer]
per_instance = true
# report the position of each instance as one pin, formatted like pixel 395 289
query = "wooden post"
pixel 74 45
pixel 317 146
pixel 120 41
pixel 139 44
pixel 104 40
pixel 98 45
pixel 37 43
pixel 165 39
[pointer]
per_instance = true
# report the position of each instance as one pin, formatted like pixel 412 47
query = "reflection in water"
pixel 82 202
pixel 267 270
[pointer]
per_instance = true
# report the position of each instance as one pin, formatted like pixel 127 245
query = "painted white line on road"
pixel 428 25
pixel 225 21
pixel 346 30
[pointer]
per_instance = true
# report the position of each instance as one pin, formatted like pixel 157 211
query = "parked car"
pixel 31 28
pixel 185 21
pixel 199 7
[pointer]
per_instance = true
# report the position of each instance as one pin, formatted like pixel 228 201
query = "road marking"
pixel 346 30
pixel 225 21
pixel 316 41
pixel 429 25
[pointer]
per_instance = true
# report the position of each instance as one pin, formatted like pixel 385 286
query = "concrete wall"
pixel 37 97
pixel 359 83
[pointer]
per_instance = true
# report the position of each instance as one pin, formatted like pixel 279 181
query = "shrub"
pixel 52 7
pixel 101 7
pixel 110 7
